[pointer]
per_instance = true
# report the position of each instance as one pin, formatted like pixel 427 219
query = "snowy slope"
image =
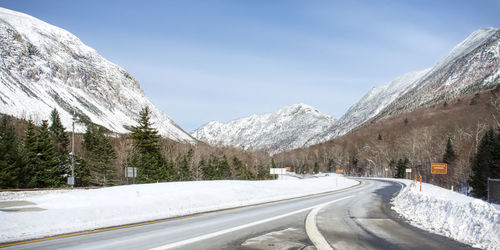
pixel 44 67
pixel 285 129
pixel 471 221
pixel 473 65
pixel 105 207
pixel 371 104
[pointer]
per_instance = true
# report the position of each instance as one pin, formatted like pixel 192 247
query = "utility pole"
pixel 72 183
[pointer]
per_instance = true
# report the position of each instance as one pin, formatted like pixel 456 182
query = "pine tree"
pixel 185 173
pixel 52 172
pixel 379 137
pixel 10 169
pixel 146 155
pixel 60 139
pixel 83 177
pixel 240 170
pixel 485 164
pixel 99 156
pixel 209 168
pixel 31 171
pixel 224 170
pixel 450 155
pixel 401 168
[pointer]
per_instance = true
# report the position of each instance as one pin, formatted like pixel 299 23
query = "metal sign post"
pixel 131 173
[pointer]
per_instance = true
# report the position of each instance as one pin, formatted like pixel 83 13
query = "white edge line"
pixel 312 230
pixel 218 233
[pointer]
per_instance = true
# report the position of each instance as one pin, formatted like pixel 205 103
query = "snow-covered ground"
pixel 442 211
pixel 79 210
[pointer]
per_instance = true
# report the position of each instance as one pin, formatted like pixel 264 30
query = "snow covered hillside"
pixel 119 205
pixel 465 219
pixel 44 67
pixel 285 129
pixel 473 65
pixel 371 104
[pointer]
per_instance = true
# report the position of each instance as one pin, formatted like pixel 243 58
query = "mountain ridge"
pixel 45 67
pixel 283 129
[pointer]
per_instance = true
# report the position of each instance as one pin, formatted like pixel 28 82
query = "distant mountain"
pixel 370 105
pixel 285 129
pixel 472 66
pixel 44 67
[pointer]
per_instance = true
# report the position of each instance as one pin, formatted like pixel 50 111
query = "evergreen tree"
pixel 185 173
pixel 99 156
pixel 146 155
pixel 10 169
pixel 450 155
pixel 209 168
pixel 316 168
pixel 31 171
pixel 485 164
pixel 52 172
pixel 224 170
pixel 240 170
pixel 60 139
pixel 83 177
pixel 401 168
pixel 379 137
pixel 263 172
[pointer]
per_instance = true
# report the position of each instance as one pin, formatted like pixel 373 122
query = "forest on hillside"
pixel 414 140
pixel 463 132
pixel 40 156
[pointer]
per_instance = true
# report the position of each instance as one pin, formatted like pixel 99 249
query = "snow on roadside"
pixel 90 209
pixel 457 216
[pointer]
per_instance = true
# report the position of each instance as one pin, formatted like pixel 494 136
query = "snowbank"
pixel 442 211
pixel 89 209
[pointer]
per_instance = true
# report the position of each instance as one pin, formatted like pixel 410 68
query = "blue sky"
pixel 221 60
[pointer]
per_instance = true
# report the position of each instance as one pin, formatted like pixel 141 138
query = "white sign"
pixel 408 170
pixel 278 171
pixel 131 172
pixel 71 180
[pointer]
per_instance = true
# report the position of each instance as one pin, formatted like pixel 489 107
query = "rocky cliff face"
pixel 44 67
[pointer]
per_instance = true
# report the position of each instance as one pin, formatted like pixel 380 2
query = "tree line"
pixel 40 157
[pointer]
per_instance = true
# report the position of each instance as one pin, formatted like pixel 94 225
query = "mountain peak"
pixel 44 67
pixel 284 129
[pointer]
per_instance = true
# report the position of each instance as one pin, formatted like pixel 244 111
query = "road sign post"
pixel 439 168
pixel 408 173
pixel 131 173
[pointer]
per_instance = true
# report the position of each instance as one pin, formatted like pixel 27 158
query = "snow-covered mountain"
pixel 370 105
pixel 44 67
pixel 473 65
pixel 285 129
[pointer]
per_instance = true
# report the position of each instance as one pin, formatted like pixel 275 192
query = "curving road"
pixel 355 218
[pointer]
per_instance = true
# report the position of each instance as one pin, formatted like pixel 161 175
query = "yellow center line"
pixel 164 220
pixel 96 231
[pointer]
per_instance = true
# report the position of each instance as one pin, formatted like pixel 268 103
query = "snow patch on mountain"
pixel 44 67
pixel 285 129
pixel 371 104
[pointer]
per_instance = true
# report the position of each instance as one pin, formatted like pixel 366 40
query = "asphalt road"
pixel 355 218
